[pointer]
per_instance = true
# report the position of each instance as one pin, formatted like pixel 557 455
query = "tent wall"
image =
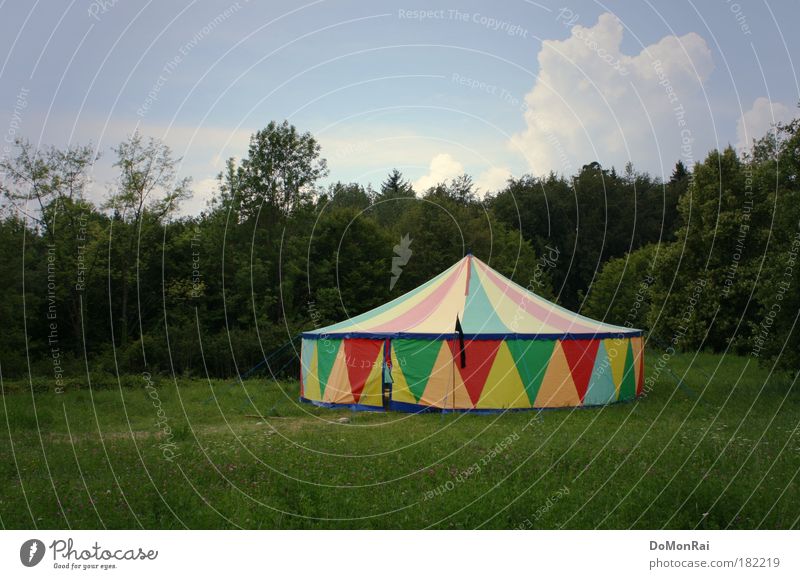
pixel 342 371
pixel 498 374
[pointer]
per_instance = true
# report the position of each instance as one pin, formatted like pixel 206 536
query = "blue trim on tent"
pixel 421 408
pixel 409 408
pixel 473 337
pixel 354 407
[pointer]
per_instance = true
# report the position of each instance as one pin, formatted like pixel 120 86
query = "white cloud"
pixel 585 104
pixel 493 179
pixel 756 122
pixel 443 167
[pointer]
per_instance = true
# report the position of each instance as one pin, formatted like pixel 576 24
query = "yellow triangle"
pixel 400 390
pixel 311 378
pixel 337 389
pixel 557 388
pixel 617 350
pixel 459 398
pixel 504 388
pixel 439 389
pixel 371 394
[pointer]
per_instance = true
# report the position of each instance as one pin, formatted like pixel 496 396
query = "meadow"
pixel 714 444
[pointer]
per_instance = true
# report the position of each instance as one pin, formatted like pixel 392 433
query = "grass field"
pixel 723 451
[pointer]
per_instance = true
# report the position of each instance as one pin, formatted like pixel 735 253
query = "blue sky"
pixel 492 89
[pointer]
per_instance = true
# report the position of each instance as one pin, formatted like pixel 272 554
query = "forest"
pixel 704 261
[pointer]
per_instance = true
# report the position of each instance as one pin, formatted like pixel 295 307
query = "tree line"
pixel 705 260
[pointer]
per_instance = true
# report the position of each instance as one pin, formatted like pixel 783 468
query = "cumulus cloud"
pixel 493 179
pixel 443 167
pixel 591 101
pixel 760 119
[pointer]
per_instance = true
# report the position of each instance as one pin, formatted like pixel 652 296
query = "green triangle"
pixel 627 391
pixel 531 358
pixel 417 358
pixel 326 358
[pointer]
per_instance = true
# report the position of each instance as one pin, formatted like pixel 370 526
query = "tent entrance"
pixel 387 381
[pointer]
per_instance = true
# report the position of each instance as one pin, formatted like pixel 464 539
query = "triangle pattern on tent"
pixel 417 358
pixel 337 389
pixel 311 378
pixel 601 385
pixel 531 358
pixel 459 397
pixel 480 357
pixel 479 313
pixel 504 388
pixel 627 389
pixel 518 347
pixel 557 387
pixel 580 357
pixel 439 391
pixel 615 350
pixel 360 356
pixel 327 351
pixel 372 393
pixel 400 390
pixel 306 354
pixel 638 355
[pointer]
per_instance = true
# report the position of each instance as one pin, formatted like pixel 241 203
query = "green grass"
pixel 725 454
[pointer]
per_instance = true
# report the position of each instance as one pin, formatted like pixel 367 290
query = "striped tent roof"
pixel 486 303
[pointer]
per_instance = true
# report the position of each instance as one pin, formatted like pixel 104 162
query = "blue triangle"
pixel 601 388
pixel 479 315
pixel 307 355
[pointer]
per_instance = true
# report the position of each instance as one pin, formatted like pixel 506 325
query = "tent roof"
pixel 488 305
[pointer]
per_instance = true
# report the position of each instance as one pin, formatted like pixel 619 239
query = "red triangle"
pixel 580 357
pixel 360 359
pixel 480 356
pixel 640 385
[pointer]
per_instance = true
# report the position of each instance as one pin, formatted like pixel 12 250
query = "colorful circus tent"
pixel 470 340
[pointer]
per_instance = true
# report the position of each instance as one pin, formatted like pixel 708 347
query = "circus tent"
pixel 470 339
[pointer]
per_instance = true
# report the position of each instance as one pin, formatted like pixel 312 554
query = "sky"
pixel 433 89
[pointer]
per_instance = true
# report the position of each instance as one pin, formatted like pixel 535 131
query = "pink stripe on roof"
pixel 423 310
pixel 553 316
